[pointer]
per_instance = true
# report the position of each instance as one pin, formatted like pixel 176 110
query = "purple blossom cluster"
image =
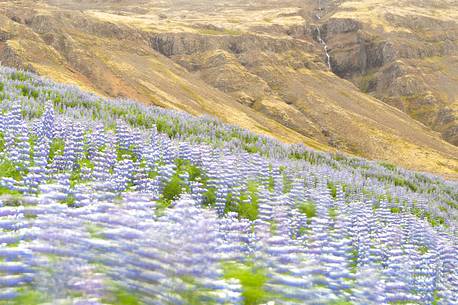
pixel 104 201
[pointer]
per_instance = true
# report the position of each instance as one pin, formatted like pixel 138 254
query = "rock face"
pixel 408 60
pixel 259 65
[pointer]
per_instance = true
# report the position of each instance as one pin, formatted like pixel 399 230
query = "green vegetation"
pixel 27 297
pixel 9 170
pixel 6 191
pixel 2 142
pixel 354 260
pixel 398 181
pixel 122 153
pixel 271 183
pixel 287 183
pixel 273 227
pixel 70 200
pixel 247 206
pixel 395 210
pixel 29 92
pixel 93 230
pixel 57 147
pixel 249 202
pixel 252 280
pixel 209 197
pixel 436 298
pixel 308 208
pixel 198 295
pixel 32 140
pixel 250 148
pixel 75 177
pixel 195 173
pixel 341 302
pixel 333 212
pixel 121 296
pixel 423 249
pixel 388 166
pixel 19 76
pixel 174 188
pixel 333 189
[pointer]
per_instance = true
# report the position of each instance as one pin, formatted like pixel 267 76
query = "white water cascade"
pixel 325 47
pixel 320 39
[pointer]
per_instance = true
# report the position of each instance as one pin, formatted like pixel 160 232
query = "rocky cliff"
pixel 405 54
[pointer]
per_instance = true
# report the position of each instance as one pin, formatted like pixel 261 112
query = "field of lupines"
pixel 112 202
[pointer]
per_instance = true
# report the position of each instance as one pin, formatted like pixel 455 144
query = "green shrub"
pixel 395 210
pixel 252 280
pixel 18 76
pixel 308 208
pixel 251 149
pixel 28 297
pixel 173 189
pixel 57 146
pixel 248 210
pixel 195 172
pixel 121 296
pixel 436 298
pixel 333 189
pixel 423 249
pixel 341 302
pixel 333 212
pixel 2 142
pixel 6 191
pixel 121 154
pixel 209 197
pixel 9 170
pixel 248 206
pixel 287 184
pixel 271 184
pixel 388 166
pixel 70 201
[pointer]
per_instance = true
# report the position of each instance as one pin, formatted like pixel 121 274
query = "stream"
pixel 320 39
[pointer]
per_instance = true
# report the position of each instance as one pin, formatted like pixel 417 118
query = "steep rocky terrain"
pixel 402 52
pixel 262 65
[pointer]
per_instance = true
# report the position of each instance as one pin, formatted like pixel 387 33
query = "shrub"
pixel 209 197
pixel 252 280
pixel 57 146
pixel 9 170
pixel 333 212
pixel 2 142
pixel 396 210
pixel 248 206
pixel 121 153
pixel 173 189
pixel 423 249
pixel 28 297
pixel 333 189
pixel 308 208
pixel 121 296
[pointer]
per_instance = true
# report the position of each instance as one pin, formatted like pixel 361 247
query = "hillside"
pixel 402 52
pixel 259 65
pixel 113 202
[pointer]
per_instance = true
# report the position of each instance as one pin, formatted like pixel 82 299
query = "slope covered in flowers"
pixel 112 202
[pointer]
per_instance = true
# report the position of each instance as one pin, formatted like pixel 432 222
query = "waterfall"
pixel 325 47
pixel 320 39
